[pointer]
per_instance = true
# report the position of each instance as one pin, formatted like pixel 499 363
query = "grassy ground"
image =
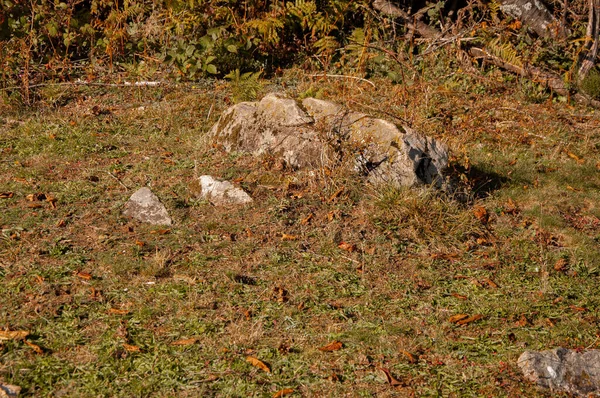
pixel 117 308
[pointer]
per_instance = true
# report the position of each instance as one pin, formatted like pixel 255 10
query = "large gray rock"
pixel 9 391
pixel 145 206
pixel 575 372
pixel 321 132
pixel 222 193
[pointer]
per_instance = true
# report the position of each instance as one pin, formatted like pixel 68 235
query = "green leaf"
pixel 232 48
pixel 210 68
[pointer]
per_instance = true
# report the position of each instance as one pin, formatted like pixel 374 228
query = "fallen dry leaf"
pixel 117 311
pixel 575 158
pixel 391 379
pixel 34 205
pixel 257 363
pixel 411 358
pixel 349 247
pixel 34 347
pixel 457 318
pixel 6 195
pixel 490 283
pixel 522 321
pixel 577 309
pixel 281 294
pixel 13 334
pixel 470 319
pixel 459 296
pixel 283 393
pixel 286 237
pixel 131 348
pixel 561 265
pixel 191 341
pixel 481 214
pixel 307 219
pixel 333 346
pixel 336 194
pixel 84 275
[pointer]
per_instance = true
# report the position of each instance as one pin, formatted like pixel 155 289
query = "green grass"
pixel 217 274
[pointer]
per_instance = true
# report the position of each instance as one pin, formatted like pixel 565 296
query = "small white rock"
pixel 222 193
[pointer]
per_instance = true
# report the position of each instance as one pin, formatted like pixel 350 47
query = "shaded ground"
pixel 319 257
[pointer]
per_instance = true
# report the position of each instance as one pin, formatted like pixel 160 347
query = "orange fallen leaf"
pixel 561 265
pixel 576 158
pixel 490 283
pixel 116 311
pixel 281 294
pixel 470 319
pixel 577 309
pixel 13 334
pixel 459 296
pixel 257 363
pixel 34 205
pixel 32 197
pixel 34 347
pixel 84 275
pixel 411 358
pixel 191 341
pixel 481 214
pixel 6 195
pixel 457 318
pixel 307 219
pixel 283 393
pixel 333 346
pixel 522 321
pixel 131 348
pixel 139 243
pixel 390 378
pixel 482 241
pixel 336 194
pixel 349 247
pixel 286 237
pixel 61 223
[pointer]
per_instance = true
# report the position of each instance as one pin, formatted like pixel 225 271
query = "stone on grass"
pixel 221 193
pixel 560 369
pixel 275 125
pixel 145 206
pixel 9 391
pixel 319 133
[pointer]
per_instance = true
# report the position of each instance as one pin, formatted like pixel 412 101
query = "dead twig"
pixel 345 77
pixel 118 180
